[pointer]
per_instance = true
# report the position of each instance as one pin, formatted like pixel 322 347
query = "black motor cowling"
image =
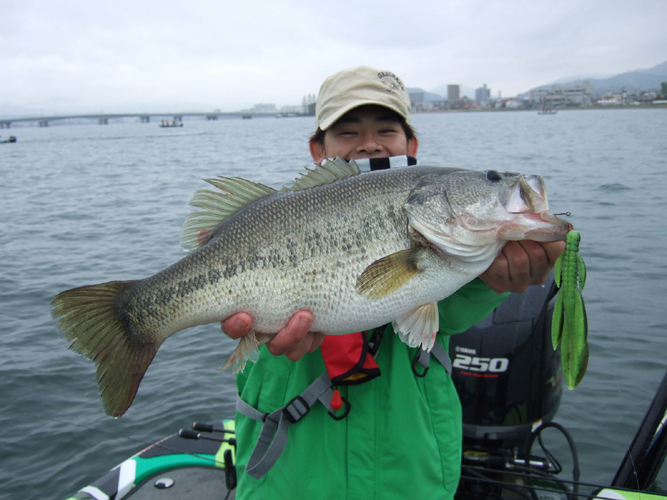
pixel 506 372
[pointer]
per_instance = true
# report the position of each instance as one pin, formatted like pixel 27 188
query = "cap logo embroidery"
pixel 396 85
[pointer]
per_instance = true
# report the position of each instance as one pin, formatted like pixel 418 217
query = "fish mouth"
pixel 527 203
pixel 529 194
pixel 536 226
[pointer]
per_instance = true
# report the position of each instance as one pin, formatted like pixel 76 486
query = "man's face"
pixel 365 132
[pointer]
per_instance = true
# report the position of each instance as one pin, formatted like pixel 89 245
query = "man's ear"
pixel 317 151
pixel 413 145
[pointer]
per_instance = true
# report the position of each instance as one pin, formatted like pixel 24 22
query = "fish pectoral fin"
pixel 388 274
pixel 418 327
pixel 246 350
pixel 216 206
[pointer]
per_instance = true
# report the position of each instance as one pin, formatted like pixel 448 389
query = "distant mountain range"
pixel 632 81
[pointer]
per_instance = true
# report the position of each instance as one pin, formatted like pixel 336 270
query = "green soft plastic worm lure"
pixel 569 326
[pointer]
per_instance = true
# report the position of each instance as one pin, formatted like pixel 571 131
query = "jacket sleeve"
pixel 467 307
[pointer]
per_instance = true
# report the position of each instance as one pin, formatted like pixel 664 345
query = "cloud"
pixel 143 55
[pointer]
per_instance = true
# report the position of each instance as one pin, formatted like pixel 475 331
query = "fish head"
pixel 462 209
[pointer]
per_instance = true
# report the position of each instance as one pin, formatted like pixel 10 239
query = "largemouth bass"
pixel 357 250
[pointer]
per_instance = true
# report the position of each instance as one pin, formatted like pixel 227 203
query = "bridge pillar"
pixel 104 121
pixel 43 123
pixel 145 119
pixel 211 117
pixel 5 124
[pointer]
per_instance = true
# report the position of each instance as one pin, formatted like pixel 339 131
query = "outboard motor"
pixel 508 378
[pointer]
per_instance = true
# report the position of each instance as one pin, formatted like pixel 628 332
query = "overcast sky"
pixel 137 55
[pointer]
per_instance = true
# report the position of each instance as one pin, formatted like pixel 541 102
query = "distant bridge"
pixel 103 118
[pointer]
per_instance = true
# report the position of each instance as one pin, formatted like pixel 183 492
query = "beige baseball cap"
pixel 354 87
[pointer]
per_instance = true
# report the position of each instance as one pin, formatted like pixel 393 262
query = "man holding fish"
pixel 341 250
pixel 401 437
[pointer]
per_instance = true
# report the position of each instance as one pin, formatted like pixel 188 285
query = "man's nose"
pixel 369 144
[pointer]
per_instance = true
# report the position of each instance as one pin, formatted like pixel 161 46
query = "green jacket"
pixel 401 439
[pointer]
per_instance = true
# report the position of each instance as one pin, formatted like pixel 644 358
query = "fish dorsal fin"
pixel 216 206
pixel 329 171
pixel 237 194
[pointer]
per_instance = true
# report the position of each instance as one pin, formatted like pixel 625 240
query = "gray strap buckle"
pixel 273 435
pixel 296 409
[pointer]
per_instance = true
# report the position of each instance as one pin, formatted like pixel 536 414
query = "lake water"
pixel 82 204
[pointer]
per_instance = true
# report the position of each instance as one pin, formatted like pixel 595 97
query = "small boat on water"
pixel 8 140
pixel 547 111
pixel 173 123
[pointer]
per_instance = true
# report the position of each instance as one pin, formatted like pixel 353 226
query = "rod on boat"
pixel 645 456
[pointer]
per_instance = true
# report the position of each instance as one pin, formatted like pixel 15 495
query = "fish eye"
pixel 493 175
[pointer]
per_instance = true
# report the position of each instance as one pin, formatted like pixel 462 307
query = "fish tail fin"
pixel 246 350
pixel 91 319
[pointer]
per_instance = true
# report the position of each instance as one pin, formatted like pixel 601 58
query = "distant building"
pixel 511 103
pixel 557 95
pixel 439 105
pixel 610 100
pixel 416 98
pixel 291 109
pixel 453 92
pixel 308 104
pixel 464 103
pixel 264 108
pixel 482 94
